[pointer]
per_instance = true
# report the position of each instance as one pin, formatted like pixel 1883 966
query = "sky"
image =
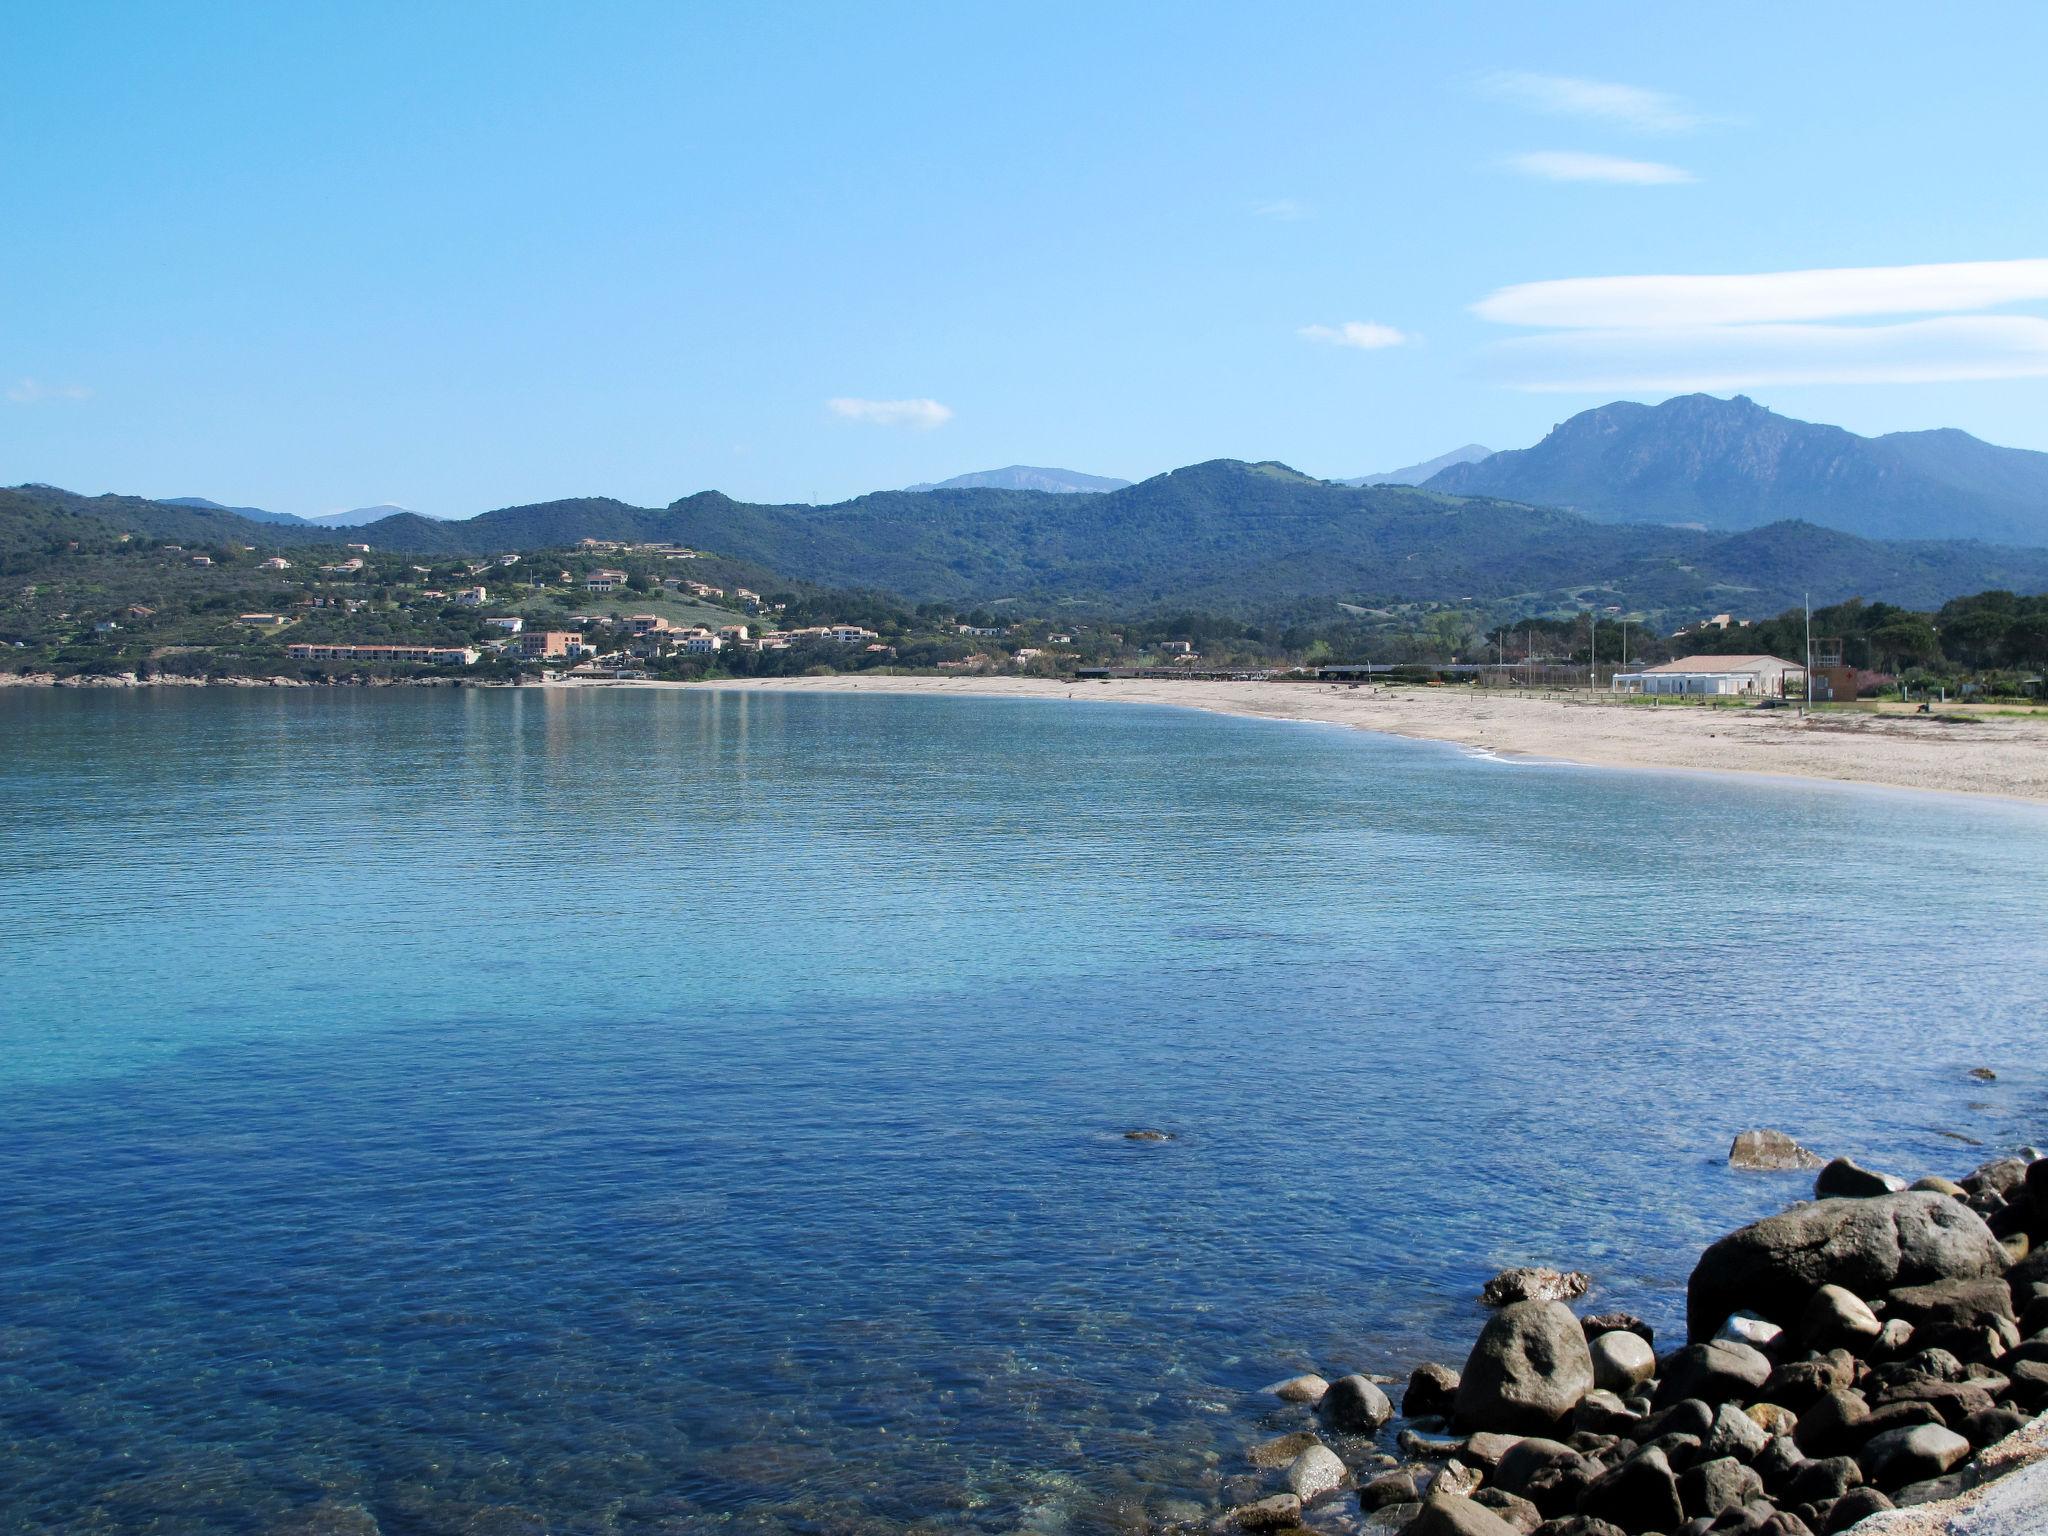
pixel 322 255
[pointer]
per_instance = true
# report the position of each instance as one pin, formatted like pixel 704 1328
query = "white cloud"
pixel 1722 357
pixel 1630 106
pixel 29 391
pixel 921 414
pixel 1572 165
pixel 1363 334
pixel 1766 297
pixel 1286 210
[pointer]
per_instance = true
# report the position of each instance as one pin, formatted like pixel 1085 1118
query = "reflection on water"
pixel 640 1111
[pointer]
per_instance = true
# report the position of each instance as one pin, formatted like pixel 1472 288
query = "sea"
pixel 496 1112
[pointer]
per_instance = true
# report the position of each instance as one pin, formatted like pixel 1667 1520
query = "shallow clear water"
pixel 649 1111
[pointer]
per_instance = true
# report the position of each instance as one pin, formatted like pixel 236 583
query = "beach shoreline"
pixel 1983 757
pixel 1994 758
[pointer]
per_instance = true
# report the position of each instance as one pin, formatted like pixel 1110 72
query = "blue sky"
pixel 313 256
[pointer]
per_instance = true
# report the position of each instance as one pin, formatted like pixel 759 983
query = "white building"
pixel 511 625
pixel 702 644
pixel 1718 676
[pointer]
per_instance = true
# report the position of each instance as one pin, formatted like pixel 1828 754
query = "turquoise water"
pixel 637 1111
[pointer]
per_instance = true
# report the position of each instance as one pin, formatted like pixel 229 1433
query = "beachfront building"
pixel 552 644
pixel 702 643
pixel 1717 676
pixel 438 655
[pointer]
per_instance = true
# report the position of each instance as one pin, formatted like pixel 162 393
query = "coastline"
pixel 1986 758
pixel 1998 758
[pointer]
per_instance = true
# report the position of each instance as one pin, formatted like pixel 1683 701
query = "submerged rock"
pixel 1540 1284
pixel 1771 1152
pixel 1147 1134
pixel 1279 1512
pixel 1315 1474
pixel 1528 1370
pixel 1300 1389
pixel 1355 1406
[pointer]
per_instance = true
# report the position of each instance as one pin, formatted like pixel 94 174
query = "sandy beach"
pixel 1985 755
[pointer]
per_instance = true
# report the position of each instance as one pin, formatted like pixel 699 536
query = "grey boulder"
pixel 1772 1267
pixel 1902 1456
pixel 1622 1361
pixel 1528 1370
pixel 1719 1371
pixel 1845 1179
pixel 1354 1406
pixel 1534 1285
pixel 1446 1514
pixel 1771 1152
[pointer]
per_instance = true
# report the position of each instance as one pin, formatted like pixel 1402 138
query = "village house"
pixel 260 620
pixel 1716 676
pixel 472 597
pixel 647 624
pixel 277 563
pixel 604 581
pixel 512 624
pixel 202 560
pixel 702 643
pixel 361 549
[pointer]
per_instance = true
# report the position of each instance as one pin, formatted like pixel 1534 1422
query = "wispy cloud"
pixel 31 391
pixel 921 414
pixel 1720 357
pixel 1286 210
pixel 1573 165
pixel 1366 335
pixel 1827 293
pixel 1714 331
pixel 1628 106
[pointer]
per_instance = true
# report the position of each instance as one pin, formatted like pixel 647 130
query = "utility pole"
pixel 1592 652
pixel 1809 658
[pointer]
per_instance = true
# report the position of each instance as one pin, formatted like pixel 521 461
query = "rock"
pixel 1901 1456
pixel 1148 1134
pixel 2037 1187
pixel 1991 1426
pixel 1828 1427
pixel 1770 1152
pixel 1776 1462
pixel 1487 1452
pixel 2029 1384
pixel 1431 1447
pixel 1300 1389
pixel 1772 1419
pixel 1639 1495
pixel 1949 1313
pixel 1868 1246
pixel 1315 1474
pixel 1934 1184
pixel 1845 1179
pixel 1617 1322
pixel 1392 1519
pixel 1278 1512
pixel 1748 1328
pixel 1431 1391
pixel 1455 1477
pixel 1715 1372
pixel 1734 1433
pixel 1798 1383
pixel 1712 1487
pixel 1279 1452
pixel 1984 1074
pixel 1389 1488
pixel 1893 1339
pixel 1578 1525
pixel 1534 1285
pixel 1528 1370
pixel 1622 1361
pixel 1516 1511
pixel 1448 1515
pixel 2017 1246
pixel 1837 1316
pixel 1857 1504
pixel 1823 1480
pixel 1355 1406
pixel 1998 1180
pixel 1690 1417
pixel 1527 1471
pixel 1602 1413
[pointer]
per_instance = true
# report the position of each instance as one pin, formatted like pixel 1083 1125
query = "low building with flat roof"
pixel 1716 676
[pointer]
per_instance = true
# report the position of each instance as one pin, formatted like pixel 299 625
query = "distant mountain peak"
pixel 1024 477
pixel 1415 474
pixel 1732 464
pixel 357 516
pixel 254 514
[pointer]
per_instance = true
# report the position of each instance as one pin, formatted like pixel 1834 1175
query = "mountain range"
pixel 1024 477
pixel 1416 474
pixel 352 519
pixel 1732 464
pixel 1225 536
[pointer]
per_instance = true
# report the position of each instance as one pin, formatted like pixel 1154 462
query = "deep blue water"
pixel 652 1112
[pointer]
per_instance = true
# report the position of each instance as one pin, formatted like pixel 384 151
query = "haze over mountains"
pixel 351 519
pixel 1732 464
pixel 1416 474
pixel 1024 477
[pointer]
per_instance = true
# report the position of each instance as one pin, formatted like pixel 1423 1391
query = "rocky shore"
pixel 1870 1360
pixel 171 680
